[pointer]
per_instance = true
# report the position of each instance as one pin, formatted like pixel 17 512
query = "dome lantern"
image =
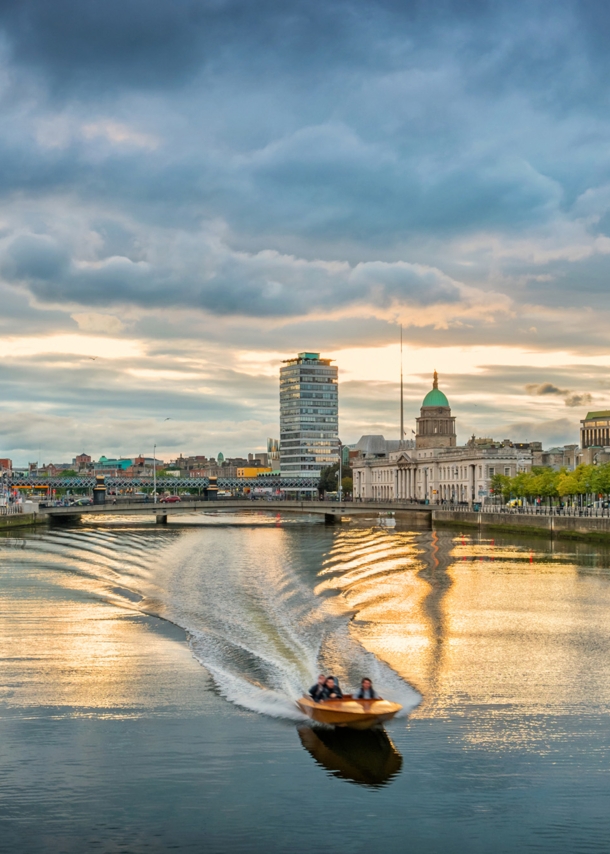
pixel 435 396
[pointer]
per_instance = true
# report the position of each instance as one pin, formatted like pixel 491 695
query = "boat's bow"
pixel 357 714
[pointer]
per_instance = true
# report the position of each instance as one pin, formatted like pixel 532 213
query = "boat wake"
pixel 246 599
pixel 256 624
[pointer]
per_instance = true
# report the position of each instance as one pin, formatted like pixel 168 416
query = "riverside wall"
pixel 22 520
pixel 562 527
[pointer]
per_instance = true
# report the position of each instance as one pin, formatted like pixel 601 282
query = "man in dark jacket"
pixel 331 689
pixel 316 692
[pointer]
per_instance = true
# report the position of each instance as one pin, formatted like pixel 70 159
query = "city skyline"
pixel 176 222
pixel 129 442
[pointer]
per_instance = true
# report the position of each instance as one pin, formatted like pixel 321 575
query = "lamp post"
pixel 154 474
pixel 155 466
pixel 339 490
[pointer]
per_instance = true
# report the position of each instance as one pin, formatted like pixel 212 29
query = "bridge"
pixel 332 511
pixel 114 483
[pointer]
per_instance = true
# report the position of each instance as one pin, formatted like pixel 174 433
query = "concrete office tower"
pixel 309 418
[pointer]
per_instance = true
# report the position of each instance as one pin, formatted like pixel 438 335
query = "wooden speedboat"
pixel 349 712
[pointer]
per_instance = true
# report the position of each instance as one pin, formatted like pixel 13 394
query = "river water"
pixel 121 731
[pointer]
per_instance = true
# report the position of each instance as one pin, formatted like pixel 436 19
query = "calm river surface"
pixel 123 732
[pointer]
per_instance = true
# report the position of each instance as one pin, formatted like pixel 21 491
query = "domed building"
pixel 436 470
pixel 435 425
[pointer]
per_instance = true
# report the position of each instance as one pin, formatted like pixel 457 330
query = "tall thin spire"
pixel 402 408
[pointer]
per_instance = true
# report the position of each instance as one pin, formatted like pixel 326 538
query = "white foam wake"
pixel 257 626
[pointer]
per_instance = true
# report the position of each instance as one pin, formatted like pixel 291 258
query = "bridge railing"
pixel 529 510
pixel 10 509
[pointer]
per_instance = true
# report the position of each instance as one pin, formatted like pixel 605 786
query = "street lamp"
pixel 155 467
pixel 340 470
pixel 154 474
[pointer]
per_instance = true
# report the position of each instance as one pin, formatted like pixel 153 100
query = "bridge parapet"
pixel 333 509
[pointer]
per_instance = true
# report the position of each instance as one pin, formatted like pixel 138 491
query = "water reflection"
pixel 368 758
pixel 397 583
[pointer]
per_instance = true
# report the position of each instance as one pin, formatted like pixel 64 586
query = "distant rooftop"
pixel 308 357
pixel 604 413
pixel 376 445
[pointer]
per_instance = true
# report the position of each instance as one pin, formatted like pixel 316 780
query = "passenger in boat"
pixel 367 692
pixel 317 691
pixel 331 689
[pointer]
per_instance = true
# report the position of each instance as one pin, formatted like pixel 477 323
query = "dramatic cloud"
pixel 578 399
pixel 570 398
pixel 211 184
pixel 544 388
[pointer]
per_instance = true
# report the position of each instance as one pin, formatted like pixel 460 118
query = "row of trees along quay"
pixel 591 482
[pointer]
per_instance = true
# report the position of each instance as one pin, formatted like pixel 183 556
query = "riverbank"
pixel 560 527
pixel 22 520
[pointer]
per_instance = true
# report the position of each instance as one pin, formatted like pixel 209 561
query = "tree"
pixel 600 479
pixel 544 482
pixel 519 485
pixel 329 478
pixel 567 483
pixel 501 484
pixel 347 486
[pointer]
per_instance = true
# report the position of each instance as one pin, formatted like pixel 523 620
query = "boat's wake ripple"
pixel 246 599
pixel 257 626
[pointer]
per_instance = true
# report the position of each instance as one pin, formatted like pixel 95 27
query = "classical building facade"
pixel 595 430
pixel 436 469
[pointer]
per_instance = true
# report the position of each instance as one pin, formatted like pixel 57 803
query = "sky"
pixel 192 191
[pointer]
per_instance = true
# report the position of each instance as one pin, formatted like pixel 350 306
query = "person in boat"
pixel 367 692
pixel 331 689
pixel 317 691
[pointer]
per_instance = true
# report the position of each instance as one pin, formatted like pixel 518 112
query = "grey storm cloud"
pixel 541 389
pixel 212 277
pixel 338 120
pixel 571 399
pixel 335 130
pixel 574 400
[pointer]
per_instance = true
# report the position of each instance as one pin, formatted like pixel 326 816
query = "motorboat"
pixel 349 712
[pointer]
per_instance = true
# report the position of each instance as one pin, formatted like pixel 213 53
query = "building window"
pixel 507 471
pixel 492 471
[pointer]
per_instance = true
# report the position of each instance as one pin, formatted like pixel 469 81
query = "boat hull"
pixel 355 714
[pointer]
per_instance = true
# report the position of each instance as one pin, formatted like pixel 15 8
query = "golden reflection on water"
pixel 506 632
pixel 66 645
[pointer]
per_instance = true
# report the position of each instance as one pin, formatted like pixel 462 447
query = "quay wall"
pixel 562 527
pixel 23 520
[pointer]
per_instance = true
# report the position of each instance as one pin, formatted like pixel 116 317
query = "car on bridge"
pixel 169 499
pixel 82 502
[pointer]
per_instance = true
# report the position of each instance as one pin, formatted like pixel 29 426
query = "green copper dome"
pixel 435 396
